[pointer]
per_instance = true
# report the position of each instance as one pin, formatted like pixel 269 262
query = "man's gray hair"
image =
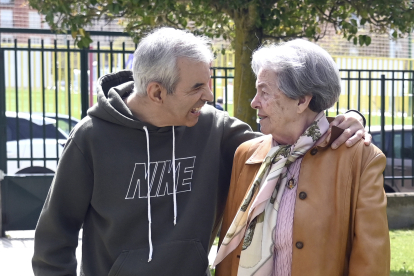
pixel 302 68
pixel 155 59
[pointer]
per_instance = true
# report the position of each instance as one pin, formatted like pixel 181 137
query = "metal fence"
pixel 46 88
pixel 385 97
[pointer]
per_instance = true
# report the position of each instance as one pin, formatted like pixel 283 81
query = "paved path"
pixel 16 252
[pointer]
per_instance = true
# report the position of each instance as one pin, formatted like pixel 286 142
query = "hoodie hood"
pixel 111 89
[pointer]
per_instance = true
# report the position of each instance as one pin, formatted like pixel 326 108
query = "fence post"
pixel 84 60
pixel 3 134
pixel 383 112
pixel 412 123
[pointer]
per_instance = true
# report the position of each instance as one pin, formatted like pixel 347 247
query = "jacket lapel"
pixel 260 153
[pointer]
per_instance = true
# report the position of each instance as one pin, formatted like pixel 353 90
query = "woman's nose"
pixel 255 103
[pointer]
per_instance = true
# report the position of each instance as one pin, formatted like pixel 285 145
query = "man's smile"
pixel 196 110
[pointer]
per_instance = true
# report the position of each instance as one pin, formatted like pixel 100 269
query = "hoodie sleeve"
pixel 235 133
pixel 56 236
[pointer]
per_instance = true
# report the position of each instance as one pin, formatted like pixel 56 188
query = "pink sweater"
pixel 283 234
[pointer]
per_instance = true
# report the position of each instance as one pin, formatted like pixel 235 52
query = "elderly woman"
pixel 308 209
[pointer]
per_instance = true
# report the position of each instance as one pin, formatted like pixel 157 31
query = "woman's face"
pixel 276 111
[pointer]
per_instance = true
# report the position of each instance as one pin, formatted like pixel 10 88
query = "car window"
pixel 377 139
pixel 48 131
pixel 399 151
pixel 63 124
pixel 397 145
pixel 407 151
pixel 9 134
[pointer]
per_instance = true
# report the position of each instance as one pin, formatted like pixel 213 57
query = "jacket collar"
pixel 265 144
pixel 260 153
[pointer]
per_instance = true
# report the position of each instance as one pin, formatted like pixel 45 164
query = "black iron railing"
pixel 52 84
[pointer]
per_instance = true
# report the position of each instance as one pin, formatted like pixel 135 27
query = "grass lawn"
pixel 59 102
pixel 402 252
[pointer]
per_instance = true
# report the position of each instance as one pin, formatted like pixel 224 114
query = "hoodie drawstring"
pixel 149 189
pixel 149 197
pixel 174 188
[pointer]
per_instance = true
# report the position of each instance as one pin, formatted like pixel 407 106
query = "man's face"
pixel 191 93
pixel 275 110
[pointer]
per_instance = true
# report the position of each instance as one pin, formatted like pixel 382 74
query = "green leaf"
pixel 82 32
pixel 277 22
pixel 309 32
pixel 363 13
pixel 367 40
pixel 361 40
pixel 354 22
pixel 79 44
pixel 116 8
pixel 363 21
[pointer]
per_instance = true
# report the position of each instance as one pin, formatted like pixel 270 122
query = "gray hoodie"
pixel 102 184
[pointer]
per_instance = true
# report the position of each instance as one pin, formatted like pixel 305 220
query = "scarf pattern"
pixel 255 221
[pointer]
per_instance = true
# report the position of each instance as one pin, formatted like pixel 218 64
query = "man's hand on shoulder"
pixel 353 125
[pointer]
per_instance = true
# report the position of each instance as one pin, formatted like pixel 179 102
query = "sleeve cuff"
pixel 360 114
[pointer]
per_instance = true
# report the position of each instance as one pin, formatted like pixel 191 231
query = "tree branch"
pixel 284 37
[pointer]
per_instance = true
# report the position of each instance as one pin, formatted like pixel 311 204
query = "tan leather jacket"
pixel 340 222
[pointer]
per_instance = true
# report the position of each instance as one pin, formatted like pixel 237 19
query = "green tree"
pixel 246 23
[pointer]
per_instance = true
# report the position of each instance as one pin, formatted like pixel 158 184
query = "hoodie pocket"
pixel 181 258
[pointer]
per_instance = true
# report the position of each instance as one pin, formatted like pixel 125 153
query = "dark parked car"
pixel 63 121
pixel 35 137
pixel 398 148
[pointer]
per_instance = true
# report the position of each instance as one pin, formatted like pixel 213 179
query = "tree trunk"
pixel 248 38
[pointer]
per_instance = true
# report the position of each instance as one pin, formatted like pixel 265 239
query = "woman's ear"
pixel 303 103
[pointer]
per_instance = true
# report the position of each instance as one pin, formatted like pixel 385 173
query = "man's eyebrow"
pixel 197 85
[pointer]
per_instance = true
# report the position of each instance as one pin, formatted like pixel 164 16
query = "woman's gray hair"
pixel 302 68
pixel 155 59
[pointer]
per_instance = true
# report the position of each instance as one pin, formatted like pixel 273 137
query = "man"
pixel 219 103
pixel 115 178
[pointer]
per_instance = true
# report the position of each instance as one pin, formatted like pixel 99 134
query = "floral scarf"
pixel 255 222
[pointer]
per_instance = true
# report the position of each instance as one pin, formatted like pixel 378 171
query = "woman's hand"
pixel 352 122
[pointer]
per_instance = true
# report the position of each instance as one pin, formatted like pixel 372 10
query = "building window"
pixel 34 20
pixel 6 1
pixel 35 40
pixel 7 39
pixel 6 20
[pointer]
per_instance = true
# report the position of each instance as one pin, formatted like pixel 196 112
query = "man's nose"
pixel 208 95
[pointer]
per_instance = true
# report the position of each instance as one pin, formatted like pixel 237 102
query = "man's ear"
pixel 156 92
pixel 303 103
